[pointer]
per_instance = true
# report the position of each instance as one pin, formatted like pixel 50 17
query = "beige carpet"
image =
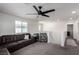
pixel 46 49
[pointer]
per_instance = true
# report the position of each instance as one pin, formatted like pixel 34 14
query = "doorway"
pixel 70 30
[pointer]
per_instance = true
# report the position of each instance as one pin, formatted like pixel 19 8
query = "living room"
pixel 23 18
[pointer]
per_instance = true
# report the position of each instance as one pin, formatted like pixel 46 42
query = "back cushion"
pixel 12 38
pixel 7 38
pixel 19 37
pixel 0 40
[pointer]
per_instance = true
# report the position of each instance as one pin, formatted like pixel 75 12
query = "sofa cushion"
pixel 9 44
pixel 7 38
pixel 12 38
pixel 0 40
pixel 19 37
pixel 21 41
pixel 13 43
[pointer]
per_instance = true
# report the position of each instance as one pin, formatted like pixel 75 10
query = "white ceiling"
pixel 63 10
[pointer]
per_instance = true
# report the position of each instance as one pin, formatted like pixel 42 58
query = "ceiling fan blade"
pixel 48 11
pixel 36 8
pixel 45 15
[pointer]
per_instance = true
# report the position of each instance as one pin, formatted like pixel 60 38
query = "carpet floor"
pixel 47 49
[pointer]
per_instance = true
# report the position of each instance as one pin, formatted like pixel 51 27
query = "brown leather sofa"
pixel 15 42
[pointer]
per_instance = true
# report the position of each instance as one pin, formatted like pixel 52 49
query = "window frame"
pixel 21 26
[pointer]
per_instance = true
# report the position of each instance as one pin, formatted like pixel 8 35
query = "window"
pixel 20 27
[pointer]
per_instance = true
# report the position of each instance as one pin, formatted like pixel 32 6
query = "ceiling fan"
pixel 42 13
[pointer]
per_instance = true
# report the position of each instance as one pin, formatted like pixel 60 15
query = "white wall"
pixel 57 30
pixel 76 29
pixel 7 24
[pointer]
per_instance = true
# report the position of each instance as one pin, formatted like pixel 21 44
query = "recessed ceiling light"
pixel 73 12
